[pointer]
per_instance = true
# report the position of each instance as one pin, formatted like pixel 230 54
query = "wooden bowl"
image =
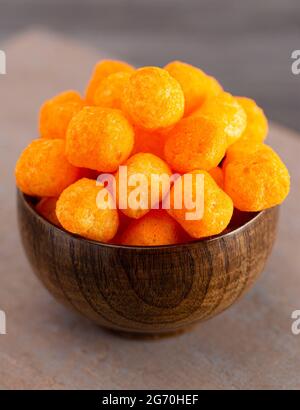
pixel 147 289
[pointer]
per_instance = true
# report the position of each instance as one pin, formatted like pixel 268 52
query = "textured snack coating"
pixel 218 176
pixel 102 70
pixel 217 207
pixel 215 87
pixel 195 143
pixel 147 141
pixel 196 85
pixel 153 99
pixel 242 148
pixel 146 165
pixel 99 138
pixel 43 169
pixel 257 181
pixel 56 114
pixel 154 229
pixel 257 123
pixel 110 91
pixel 78 211
pixel 225 109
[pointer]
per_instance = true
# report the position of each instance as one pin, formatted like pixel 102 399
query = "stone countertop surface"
pixel 250 346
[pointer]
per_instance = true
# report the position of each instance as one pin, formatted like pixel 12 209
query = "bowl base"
pixel 150 336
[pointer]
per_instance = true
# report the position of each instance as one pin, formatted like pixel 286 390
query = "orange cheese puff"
pixel 99 138
pixel 242 148
pixel 124 221
pixel 56 114
pixel 257 123
pixel 225 109
pixel 88 210
pixel 153 99
pixel 154 229
pixel 257 181
pixel 43 169
pixel 109 93
pixel 102 70
pixel 214 88
pixel 217 206
pixel 195 143
pixel 147 141
pixel 46 207
pixel 142 170
pixel 196 85
pixel 218 176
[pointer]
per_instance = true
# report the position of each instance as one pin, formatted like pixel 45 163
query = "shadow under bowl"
pixel 147 290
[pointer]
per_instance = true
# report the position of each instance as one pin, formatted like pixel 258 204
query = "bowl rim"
pixel 31 209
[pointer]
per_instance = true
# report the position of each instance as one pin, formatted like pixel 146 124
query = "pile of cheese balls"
pixel 175 119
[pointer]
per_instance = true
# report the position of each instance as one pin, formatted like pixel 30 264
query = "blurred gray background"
pixel 246 44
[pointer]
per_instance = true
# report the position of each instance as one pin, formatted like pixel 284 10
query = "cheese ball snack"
pixel 102 70
pixel 56 114
pixel 225 109
pixel 99 138
pixel 136 136
pixel 257 181
pixel 145 167
pixel 147 141
pixel 43 169
pixel 196 85
pixel 153 99
pixel 257 123
pixel 218 176
pixel 215 87
pixel 80 211
pixel 242 148
pixel 154 229
pixel 124 221
pixel 195 143
pixel 217 206
pixel 109 93
pixel 47 208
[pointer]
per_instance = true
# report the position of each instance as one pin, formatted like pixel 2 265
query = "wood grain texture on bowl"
pixel 146 290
